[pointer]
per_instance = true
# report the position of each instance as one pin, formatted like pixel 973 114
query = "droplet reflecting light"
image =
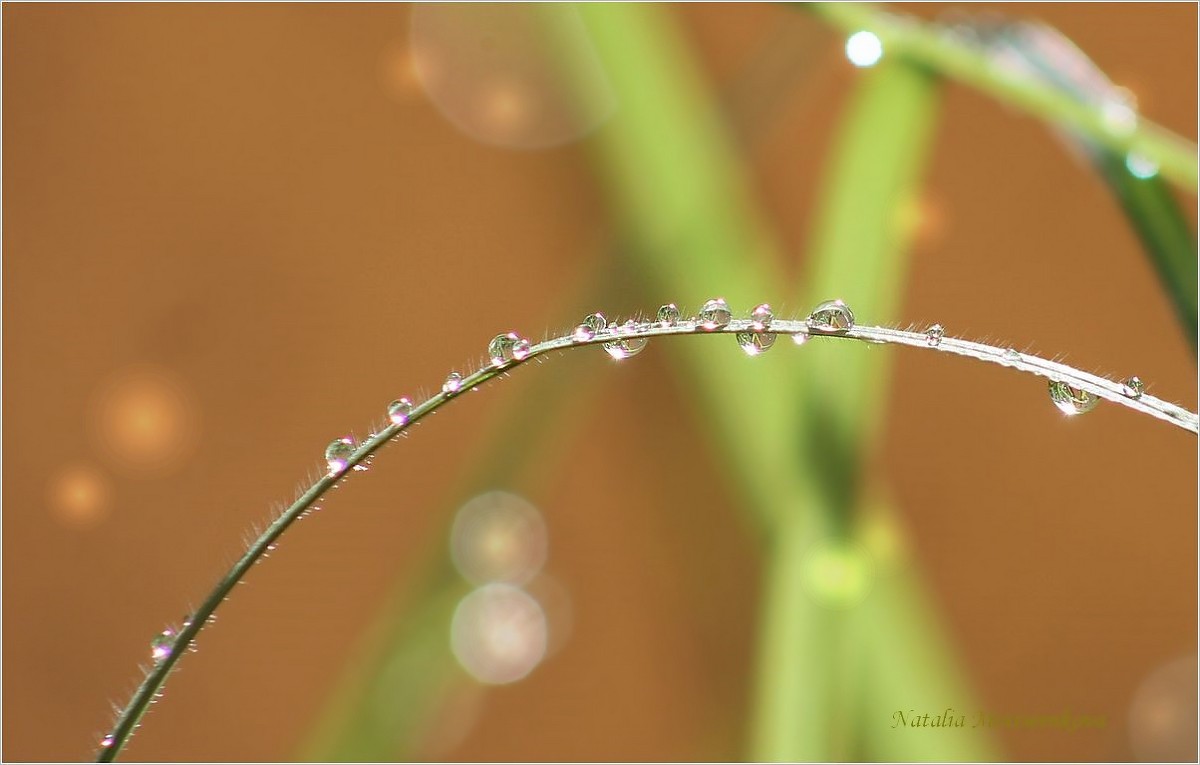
pixel 714 314
pixel 452 384
pixel 831 316
pixel 507 348
pixel 668 314
pixel 627 347
pixel 161 645
pixel 399 411
pixel 338 453
pixel 1071 400
pixel 933 335
pixel 1133 387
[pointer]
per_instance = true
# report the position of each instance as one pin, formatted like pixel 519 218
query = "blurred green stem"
pixel 1166 235
pixel 934 47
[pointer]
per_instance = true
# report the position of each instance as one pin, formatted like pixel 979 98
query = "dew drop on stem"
pixel 162 645
pixel 933 335
pixel 754 343
pixel 627 347
pixel 714 314
pixel 453 383
pixel 399 411
pixel 831 316
pixel 1133 387
pixel 668 314
pixel 761 317
pixel 337 454
pixel 1071 400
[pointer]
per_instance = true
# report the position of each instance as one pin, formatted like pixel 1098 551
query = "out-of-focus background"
pixel 233 233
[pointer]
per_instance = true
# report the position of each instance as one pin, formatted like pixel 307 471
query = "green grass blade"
pixel 1166 235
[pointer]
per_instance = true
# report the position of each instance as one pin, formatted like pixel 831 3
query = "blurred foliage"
pixel 827 678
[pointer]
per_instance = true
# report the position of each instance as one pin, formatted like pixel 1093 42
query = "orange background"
pixel 254 215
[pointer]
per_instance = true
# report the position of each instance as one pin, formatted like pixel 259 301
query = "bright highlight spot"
pixel 864 49
pixel 498 634
pixel 145 419
pixel 79 496
pixel 1162 716
pixel 1141 167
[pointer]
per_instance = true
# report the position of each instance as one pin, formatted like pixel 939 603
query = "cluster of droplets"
pixel 831 317
pixel 507 348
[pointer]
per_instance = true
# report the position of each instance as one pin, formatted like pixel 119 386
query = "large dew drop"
pixel 507 348
pixel 338 454
pixel 399 411
pixel 831 316
pixel 714 314
pixel 628 346
pixel 754 343
pixel 668 314
pixel 1072 400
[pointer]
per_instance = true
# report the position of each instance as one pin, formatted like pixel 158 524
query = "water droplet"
pixel 1140 167
pixel 588 328
pixel 452 384
pixel 162 644
pixel 399 411
pixel 1012 354
pixel 831 316
pixel 627 347
pixel 1133 387
pixel 668 314
pixel 800 338
pixel 714 314
pixel 754 343
pixel 933 335
pixel 507 348
pixel 107 741
pixel 1072 400
pixel 337 454
pixel 761 317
